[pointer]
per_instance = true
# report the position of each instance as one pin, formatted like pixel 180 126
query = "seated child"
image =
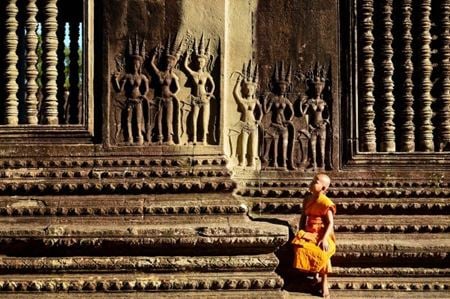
pixel 314 243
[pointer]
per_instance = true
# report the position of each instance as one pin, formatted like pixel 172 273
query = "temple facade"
pixel 164 147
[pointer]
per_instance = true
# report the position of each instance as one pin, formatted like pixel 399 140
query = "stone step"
pixel 140 264
pixel 216 294
pixel 371 223
pixel 391 283
pixel 340 294
pixel 374 286
pixel 392 223
pixel 352 206
pixel 121 205
pixel 134 283
pixel 384 250
pixel 392 250
pixel 122 238
pixel 290 191
pixel 390 272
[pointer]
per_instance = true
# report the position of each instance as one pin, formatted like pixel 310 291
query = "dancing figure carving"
pixel 278 126
pixel 167 89
pixel 135 85
pixel 202 91
pixel 244 135
pixel 315 108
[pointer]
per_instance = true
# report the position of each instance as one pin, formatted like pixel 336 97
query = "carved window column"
pixel 406 113
pixel 425 126
pixel 50 62
pixel 387 70
pixel 11 104
pixel 368 139
pixel 443 113
pixel 32 59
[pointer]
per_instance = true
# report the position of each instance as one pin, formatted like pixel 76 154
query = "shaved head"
pixel 324 179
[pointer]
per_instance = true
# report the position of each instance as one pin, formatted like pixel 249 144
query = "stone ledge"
pixel 390 283
pixel 348 192
pixel 370 206
pixel 352 294
pixel 129 264
pixel 255 281
pixel 373 223
pixel 121 205
pixel 243 237
pixel 390 272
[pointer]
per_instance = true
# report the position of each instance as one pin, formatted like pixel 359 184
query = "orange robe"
pixel 308 256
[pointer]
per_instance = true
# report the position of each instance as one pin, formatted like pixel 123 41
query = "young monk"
pixel 314 243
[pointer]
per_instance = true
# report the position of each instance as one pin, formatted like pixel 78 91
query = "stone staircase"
pixel 137 227
pixel 392 239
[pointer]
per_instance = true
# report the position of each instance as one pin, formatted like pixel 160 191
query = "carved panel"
pixel 163 103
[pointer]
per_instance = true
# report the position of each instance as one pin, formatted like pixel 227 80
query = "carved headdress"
pixel 201 51
pixel 249 76
pixel 136 50
pixel 280 74
pixel 316 74
pixel 171 51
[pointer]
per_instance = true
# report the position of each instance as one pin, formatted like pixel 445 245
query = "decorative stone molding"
pixel 144 237
pixel 140 284
pixel 384 207
pixel 390 271
pixel 140 264
pixel 131 186
pixel 428 285
pixel 123 211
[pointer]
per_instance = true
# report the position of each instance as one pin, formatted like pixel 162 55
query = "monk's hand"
pixel 323 244
pixel 312 237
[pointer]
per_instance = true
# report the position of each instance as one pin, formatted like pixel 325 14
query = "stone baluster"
pixel 50 61
pixel 12 103
pixel 406 113
pixel 368 137
pixel 74 72
pixel 31 101
pixel 443 112
pixel 387 69
pixel 425 113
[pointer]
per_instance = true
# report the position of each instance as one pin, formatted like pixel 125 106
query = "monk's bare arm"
pixel 328 230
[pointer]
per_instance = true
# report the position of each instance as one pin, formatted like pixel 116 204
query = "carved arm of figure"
pixel 304 105
pixel 118 86
pixel 186 64
pixel 213 85
pixel 259 112
pixel 267 103
pixel 236 92
pixel 153 63
pixel 177 85
pixel 146 87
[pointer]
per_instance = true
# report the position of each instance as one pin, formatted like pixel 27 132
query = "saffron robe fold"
pixel 308 256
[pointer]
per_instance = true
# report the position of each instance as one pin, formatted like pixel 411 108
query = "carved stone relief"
pixel 161 103
pixel 277 120
pixel 244 135
pixel 294 125
pixel 315 109
pixel 202 92
pixel 134 85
